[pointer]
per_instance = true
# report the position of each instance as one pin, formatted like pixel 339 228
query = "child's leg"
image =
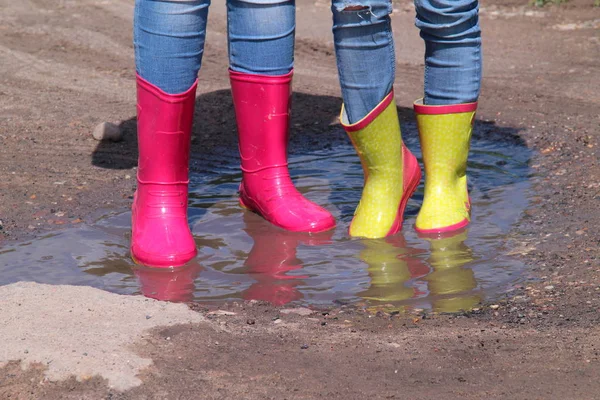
pixel 445 116
pixel 364 48
pixel 261 52
pixel 261 36
pixel 168 38
pixel 452 37
pixel 168 41
pixel 366 63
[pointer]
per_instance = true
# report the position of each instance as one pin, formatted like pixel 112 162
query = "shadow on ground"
pixel 314 126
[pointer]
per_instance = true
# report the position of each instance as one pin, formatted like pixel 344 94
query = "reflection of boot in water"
pixel 169 284
pixel 272 257
pixel 450 284
pixel 391 266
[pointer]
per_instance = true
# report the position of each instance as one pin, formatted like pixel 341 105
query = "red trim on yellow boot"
pixel 421 108
pixel 411 179
pixel 370 116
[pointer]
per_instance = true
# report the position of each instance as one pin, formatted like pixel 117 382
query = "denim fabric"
pixel 261 36
pixel 169 42
pixel 169 36
pixel 453 59
pixel 364 48
pixel 366 60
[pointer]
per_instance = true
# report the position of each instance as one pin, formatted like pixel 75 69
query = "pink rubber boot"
pixel 262 106
pixel 161 236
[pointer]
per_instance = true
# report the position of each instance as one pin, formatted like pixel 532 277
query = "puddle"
pixel 243 257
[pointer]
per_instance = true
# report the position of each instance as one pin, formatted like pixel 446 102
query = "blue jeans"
pixel 169 36
pixel 169 43
pixel 366 60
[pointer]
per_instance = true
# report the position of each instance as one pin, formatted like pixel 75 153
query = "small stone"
pixel 300 311
pixel 304 347
pixel 494 306
pixel 107 131
pixel 148 316
pixel 26 352
pixel 31 227
pixel 250 322
pixel 277 321
pixel 549 287
pixel 222 312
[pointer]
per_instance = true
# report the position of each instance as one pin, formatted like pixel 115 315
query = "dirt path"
pixel 67 66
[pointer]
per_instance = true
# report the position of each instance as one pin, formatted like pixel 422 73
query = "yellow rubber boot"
pixel 445 135
pixel 450 284
pixel 392 173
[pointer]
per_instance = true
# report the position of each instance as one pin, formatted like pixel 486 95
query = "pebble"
pixel 550 287
pixel 222 312
pixel 304 347
pixel 107 131
pixel 300 311
pixel 494 306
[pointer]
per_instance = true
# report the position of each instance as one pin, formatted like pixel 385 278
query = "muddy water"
pixel 243 257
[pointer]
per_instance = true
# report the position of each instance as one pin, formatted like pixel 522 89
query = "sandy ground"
pixel 68 65
pixel 91 336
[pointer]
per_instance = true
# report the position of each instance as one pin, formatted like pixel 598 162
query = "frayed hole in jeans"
pixel 356 8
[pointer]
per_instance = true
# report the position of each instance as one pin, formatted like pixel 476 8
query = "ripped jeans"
pixel 169 40
pixel 366 60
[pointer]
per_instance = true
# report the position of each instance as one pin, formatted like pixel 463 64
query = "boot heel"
pixel 412 178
